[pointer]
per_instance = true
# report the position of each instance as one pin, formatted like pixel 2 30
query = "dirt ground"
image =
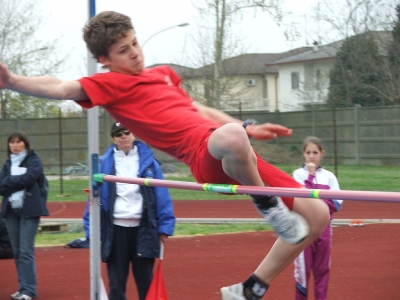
pixel 275 154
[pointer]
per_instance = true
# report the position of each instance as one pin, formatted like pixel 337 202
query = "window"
pixel 295 80
pixel 318 85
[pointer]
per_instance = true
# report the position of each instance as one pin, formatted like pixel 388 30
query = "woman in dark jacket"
pixel 22 207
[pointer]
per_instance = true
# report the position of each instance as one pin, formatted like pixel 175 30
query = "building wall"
pixel 363 135
pixel 307 93
pixel 288 97
pixel 251 96
pixel 273 91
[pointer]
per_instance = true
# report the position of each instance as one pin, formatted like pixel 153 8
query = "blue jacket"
pixel 34 204
pixel 158 216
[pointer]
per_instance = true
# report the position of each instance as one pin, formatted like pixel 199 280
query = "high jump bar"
pixel 255 190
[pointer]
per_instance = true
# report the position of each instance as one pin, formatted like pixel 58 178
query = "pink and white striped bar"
pixel 254 190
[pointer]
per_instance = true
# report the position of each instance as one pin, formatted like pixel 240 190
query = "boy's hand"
pixel 5 76
pixel 267 131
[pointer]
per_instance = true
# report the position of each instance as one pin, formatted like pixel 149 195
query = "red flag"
pixel 157 289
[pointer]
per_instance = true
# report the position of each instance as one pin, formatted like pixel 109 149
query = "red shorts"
pixel 207 169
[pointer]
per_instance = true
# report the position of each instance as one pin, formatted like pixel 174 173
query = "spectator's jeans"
pixel 22 232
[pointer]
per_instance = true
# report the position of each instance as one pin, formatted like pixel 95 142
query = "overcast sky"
pixel 66 18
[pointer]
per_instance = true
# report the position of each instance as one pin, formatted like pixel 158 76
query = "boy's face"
pixel 125 56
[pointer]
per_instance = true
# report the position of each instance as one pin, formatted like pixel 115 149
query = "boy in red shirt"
pixel 216 147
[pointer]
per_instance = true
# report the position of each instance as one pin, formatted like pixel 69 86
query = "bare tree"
pixel 218 16
pixel 336 20
pixel 25 54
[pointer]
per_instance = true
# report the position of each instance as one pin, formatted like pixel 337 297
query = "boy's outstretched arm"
pixel 264 131
pixel 214 114
pixel 41 86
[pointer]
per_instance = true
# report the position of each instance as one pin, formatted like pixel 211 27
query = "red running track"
pixel 240 209
pixel 365 260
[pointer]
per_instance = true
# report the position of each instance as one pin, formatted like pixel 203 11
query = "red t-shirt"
pixel 153 106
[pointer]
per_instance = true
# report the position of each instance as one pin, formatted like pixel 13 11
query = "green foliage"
pixel 394 50
pixel 76 231
pixel 394 59
pixel 56 238
pixel 368 178
pixel 25 54
pixel 358 76
pixel 207 229
pixel 364 178
pixel 361 178
pixel 72 190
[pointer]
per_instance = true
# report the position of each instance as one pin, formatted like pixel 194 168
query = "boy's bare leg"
pixel 230 144
pixel 282 254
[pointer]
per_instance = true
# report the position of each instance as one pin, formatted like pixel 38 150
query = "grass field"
pixel 365 178
pixel 58 239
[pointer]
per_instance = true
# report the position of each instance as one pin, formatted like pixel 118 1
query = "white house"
pixel 247 81
pixel 304 78
pixel 288 81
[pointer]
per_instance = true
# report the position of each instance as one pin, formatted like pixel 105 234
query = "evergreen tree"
pixel 394 59
pixel 357 76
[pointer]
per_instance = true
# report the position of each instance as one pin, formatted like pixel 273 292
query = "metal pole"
pixel 94 199
pixel 60 152
pixel 335 149
pixel 180 25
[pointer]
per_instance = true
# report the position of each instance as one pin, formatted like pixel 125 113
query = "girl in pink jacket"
pixel 317 256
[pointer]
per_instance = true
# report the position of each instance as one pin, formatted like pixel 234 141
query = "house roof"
pixel 268 63
pixel 382 38
pixel 249 63
pixel 181 70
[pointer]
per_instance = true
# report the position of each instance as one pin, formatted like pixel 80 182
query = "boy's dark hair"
pixel 22 137
pixel 105 29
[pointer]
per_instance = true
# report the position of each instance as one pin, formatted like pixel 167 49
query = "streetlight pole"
pixel 180 25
